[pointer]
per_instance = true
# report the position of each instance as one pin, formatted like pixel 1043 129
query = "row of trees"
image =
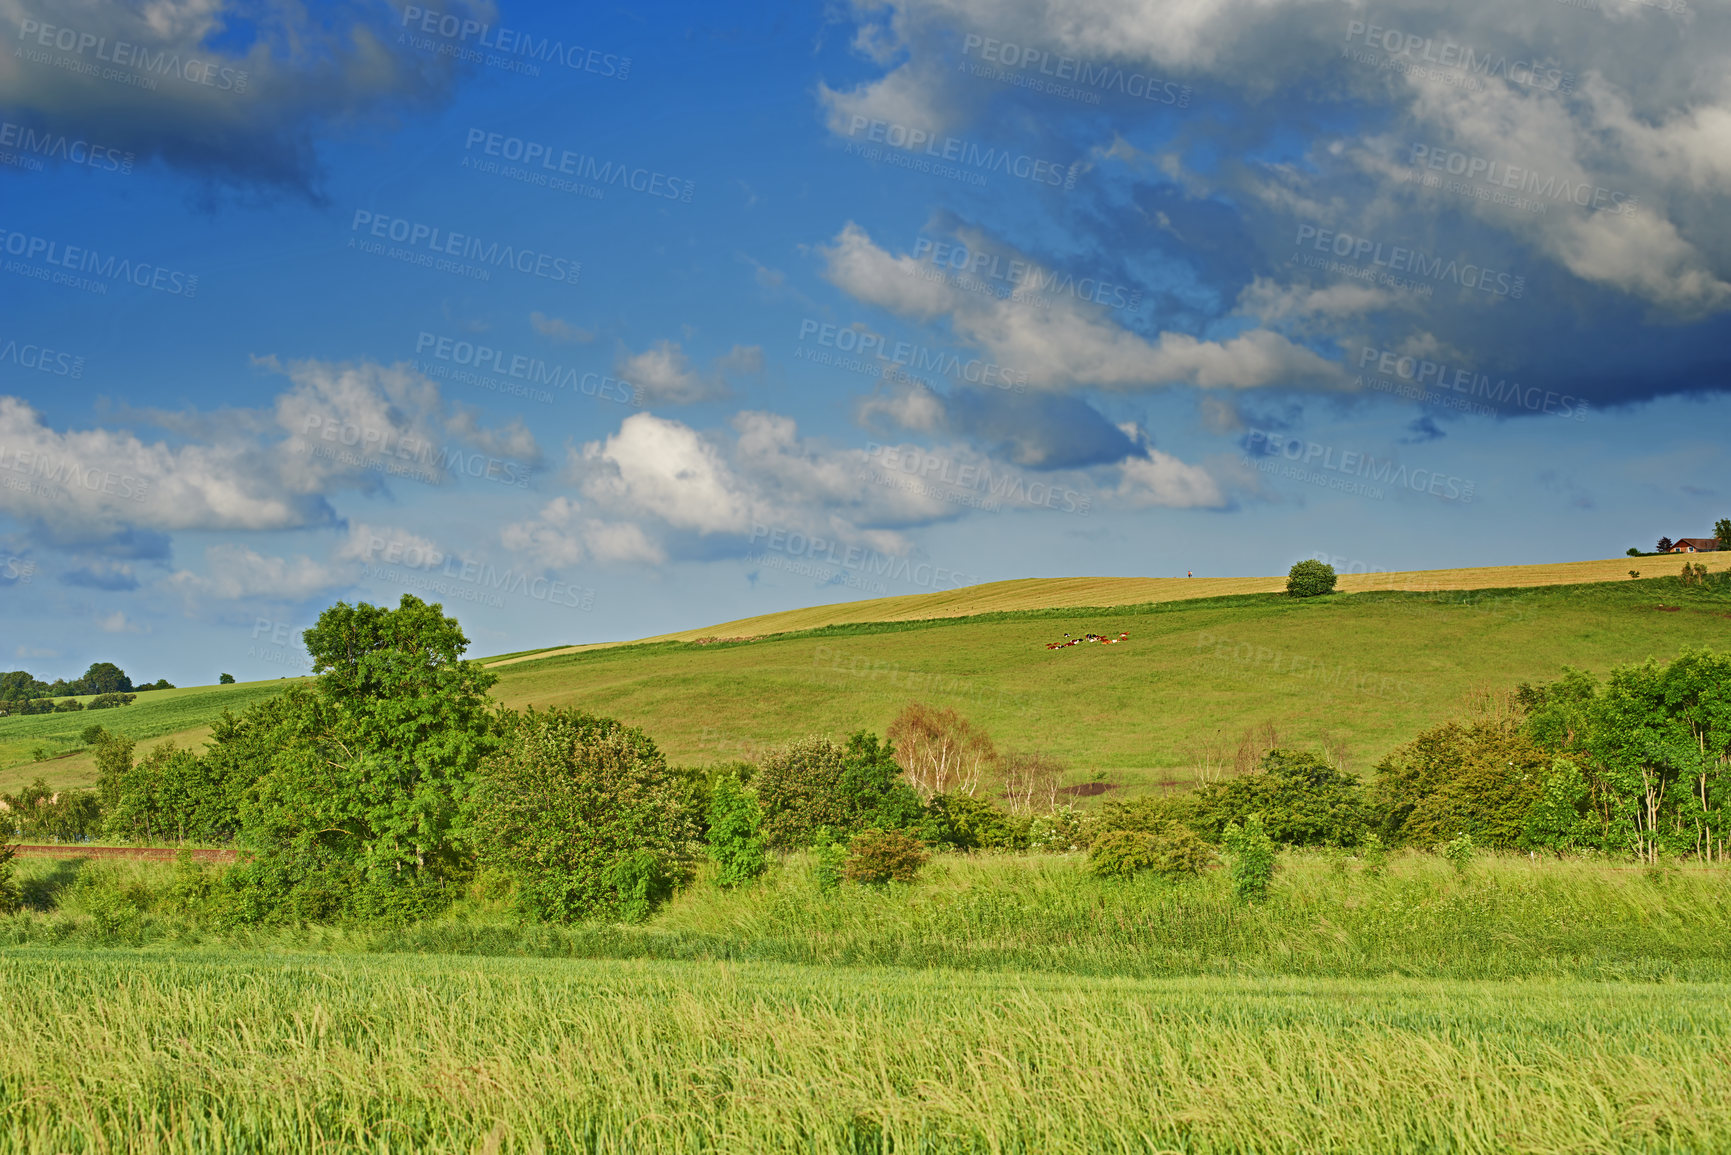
pixel 23 693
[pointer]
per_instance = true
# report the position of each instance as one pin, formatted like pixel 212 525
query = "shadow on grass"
pixel 42 891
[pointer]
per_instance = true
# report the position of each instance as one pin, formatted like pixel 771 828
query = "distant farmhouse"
pixel 1695 545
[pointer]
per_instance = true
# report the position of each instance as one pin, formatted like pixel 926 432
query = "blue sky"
pixel 599 324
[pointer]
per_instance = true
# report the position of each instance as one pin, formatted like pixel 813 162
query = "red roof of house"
pixel 1700 543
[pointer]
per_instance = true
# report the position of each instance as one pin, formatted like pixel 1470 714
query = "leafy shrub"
pixel 110 701
pixel 962 822
pixel 1302 800
pixel 735 841
pixel 1459 852
pixel 1561 816
pixel 1061 830
pixel 1479 779
pixel 1373 853
pixel 814 783
pixel 1181 854
pixel 69 706
pixel 1175 852
pixel 584 815
pixel 225 679
pixel 1121 853
pixel 879 856
pixel 37 706
pixel 829 857
pixel 1310 578
pixel 643 880
pixel 1253 858
pixel 38 812
pixel 10 899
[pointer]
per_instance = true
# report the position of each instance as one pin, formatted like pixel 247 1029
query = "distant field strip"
pixel 231 1051
pixel 1056 593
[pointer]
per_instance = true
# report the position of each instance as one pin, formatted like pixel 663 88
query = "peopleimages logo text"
pixel 161 62
pixel 463 247
pixel 1501 174
pixel 1468 61
pixel 580 166
pixel 847 339
pixel 81 259
pixel 962 151
pixel 1404 260
pixel 59 146
pixel 463 33
pixel 1426 374
pixel 1088 75
pixel 1355 464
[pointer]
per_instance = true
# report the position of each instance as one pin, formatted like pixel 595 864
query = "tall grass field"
pixel 199 1051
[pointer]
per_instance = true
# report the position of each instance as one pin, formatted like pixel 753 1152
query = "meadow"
pixel 183 715
pixel 1354 674
pixel 999 1004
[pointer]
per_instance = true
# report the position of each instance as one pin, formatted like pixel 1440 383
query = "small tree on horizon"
pixel 1722 531
pixel 1309 578
pixel 225 679
pixel 1665 544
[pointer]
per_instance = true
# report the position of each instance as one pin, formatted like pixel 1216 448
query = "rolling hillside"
pixel 1356 674
pixel 1207 660
pixel 1047 593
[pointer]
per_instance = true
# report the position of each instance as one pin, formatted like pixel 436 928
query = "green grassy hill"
pixel 183 715
pixel 1357 673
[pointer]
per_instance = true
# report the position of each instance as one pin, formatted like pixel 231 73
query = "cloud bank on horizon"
pixel 592 327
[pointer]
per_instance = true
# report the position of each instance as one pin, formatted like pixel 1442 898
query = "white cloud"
pixel 99 481
pixel 1161 479
pixel 234 571
pixel 1070 344
pixel 560 537
pixel 556 329
pixel 336 427
pixel 118 623
pixel 667 376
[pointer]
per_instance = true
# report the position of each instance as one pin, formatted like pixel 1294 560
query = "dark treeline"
pixel 23 693
pixel 391 783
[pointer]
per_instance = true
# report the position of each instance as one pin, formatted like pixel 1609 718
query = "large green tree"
pixel 355 785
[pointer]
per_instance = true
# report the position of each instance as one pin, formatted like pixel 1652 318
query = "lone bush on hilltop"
pixel 1310 578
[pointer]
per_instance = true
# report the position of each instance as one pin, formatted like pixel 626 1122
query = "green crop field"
pixel 998 1004
pixel 235 1052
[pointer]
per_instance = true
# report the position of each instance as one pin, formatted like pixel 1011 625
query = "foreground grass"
pixel 190 1051
pixel 1505 918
